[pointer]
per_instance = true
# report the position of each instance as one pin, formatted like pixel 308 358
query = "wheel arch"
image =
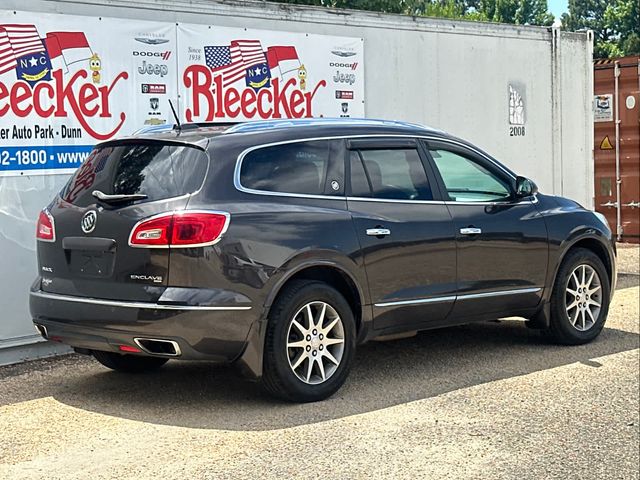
pixel 596 244
pixel 332 273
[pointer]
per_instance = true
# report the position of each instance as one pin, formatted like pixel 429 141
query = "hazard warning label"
pixel 605 144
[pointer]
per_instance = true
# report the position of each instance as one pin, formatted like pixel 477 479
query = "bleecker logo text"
pixel 59 97
pixel 211 99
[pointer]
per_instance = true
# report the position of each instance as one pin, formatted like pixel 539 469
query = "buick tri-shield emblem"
pixel 88 221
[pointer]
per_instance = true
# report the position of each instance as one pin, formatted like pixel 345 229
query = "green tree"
pixel 532 12
pixel 615 25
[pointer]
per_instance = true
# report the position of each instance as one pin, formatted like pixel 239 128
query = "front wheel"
pixel 580 299
pixel 310 343
pixel 128 363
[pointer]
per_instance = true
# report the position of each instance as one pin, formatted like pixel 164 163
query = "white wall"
pixel 446 74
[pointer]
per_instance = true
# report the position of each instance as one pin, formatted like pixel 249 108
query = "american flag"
pixel 16 41
pixel 232 61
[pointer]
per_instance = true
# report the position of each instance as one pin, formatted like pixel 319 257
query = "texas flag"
pixel 285 59
pixel 67 48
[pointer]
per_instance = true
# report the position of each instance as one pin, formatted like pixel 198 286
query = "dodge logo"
pixel 88 221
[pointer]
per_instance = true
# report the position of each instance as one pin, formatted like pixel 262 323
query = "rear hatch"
pixel 118 185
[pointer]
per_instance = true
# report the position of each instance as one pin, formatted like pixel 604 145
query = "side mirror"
pixel 525 187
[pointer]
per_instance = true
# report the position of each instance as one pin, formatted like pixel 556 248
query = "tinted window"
pixel 359 184
pixel 290 168
pixel 155 169
pixel 395 174
pixel 467 180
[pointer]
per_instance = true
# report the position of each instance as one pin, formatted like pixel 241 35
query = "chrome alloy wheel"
pixel 583 297
pixel 315 342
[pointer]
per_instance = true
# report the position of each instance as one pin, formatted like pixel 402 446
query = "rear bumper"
pixel 200 332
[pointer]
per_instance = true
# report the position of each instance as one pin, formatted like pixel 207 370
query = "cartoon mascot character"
pixel 95 66
pixel 302 76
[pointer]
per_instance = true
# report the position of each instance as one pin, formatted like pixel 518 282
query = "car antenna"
pixel 175 115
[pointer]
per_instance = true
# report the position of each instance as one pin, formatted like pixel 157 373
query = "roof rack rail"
pixel 194 125
pixel 288 122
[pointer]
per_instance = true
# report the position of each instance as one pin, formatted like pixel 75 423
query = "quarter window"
pixel 468 181
pixel 289 168
pixel 394 174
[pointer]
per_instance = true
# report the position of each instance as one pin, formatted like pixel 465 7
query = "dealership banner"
pixel 244 74
pixel 68 82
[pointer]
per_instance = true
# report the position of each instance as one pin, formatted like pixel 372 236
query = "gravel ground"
pixel 628 258
pixel 489 400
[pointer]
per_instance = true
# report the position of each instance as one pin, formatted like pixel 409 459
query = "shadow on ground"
pixel 200 395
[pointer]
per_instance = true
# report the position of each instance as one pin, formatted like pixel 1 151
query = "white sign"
pixel 231 74
pixel 603 108
pixel 68 82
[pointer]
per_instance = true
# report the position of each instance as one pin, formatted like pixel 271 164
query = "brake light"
pixel 180 229
pixel 45 229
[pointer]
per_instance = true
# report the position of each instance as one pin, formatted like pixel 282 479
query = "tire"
pixel 128 363
pixel 588 325
pixel 288 351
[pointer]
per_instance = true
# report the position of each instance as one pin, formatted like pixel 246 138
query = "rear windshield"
pixel 157 170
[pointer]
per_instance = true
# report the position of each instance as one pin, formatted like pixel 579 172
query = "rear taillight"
pixel 180 229
pixel 45 229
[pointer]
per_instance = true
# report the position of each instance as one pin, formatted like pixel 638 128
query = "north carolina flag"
pixel 66 48
pixel 284 58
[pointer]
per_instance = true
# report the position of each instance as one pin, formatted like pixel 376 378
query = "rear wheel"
pixel 310 343
pixel 128 363
pixel 580 299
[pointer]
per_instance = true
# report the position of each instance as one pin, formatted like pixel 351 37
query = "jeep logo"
pixel 153 69
pixel 348 78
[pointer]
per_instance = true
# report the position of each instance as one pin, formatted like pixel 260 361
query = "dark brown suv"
pixel 281 245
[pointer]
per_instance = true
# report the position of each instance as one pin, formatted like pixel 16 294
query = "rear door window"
pixel 393 173
pixel 156 169
pixel 300 167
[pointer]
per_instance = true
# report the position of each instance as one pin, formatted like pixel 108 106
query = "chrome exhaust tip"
pixel 158 346
pixel 42 330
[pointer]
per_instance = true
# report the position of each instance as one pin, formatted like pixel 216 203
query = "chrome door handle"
pixel 470 231
pixel 375 232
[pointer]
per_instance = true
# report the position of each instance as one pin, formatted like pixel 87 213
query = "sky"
pixel 557 7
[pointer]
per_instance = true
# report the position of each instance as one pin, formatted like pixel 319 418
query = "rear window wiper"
pixel 117 198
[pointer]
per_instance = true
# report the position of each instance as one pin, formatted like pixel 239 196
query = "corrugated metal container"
pixel 453 75
pixel 617 144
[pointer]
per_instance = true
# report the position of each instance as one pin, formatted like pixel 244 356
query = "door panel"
pixel 502 250
pixel 509 256
pixel 415 262
pixel 407 239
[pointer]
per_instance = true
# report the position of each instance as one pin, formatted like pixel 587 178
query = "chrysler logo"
pixel 88 222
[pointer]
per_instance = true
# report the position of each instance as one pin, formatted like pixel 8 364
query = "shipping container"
pixel 617 144
pixel 522 93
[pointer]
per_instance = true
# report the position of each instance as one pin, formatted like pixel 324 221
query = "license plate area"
pixel 89 263
pixel 90 257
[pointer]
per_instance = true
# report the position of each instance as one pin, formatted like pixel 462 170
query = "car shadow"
pixel 207 396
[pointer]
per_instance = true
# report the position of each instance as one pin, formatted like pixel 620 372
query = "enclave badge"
pixel 88 222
